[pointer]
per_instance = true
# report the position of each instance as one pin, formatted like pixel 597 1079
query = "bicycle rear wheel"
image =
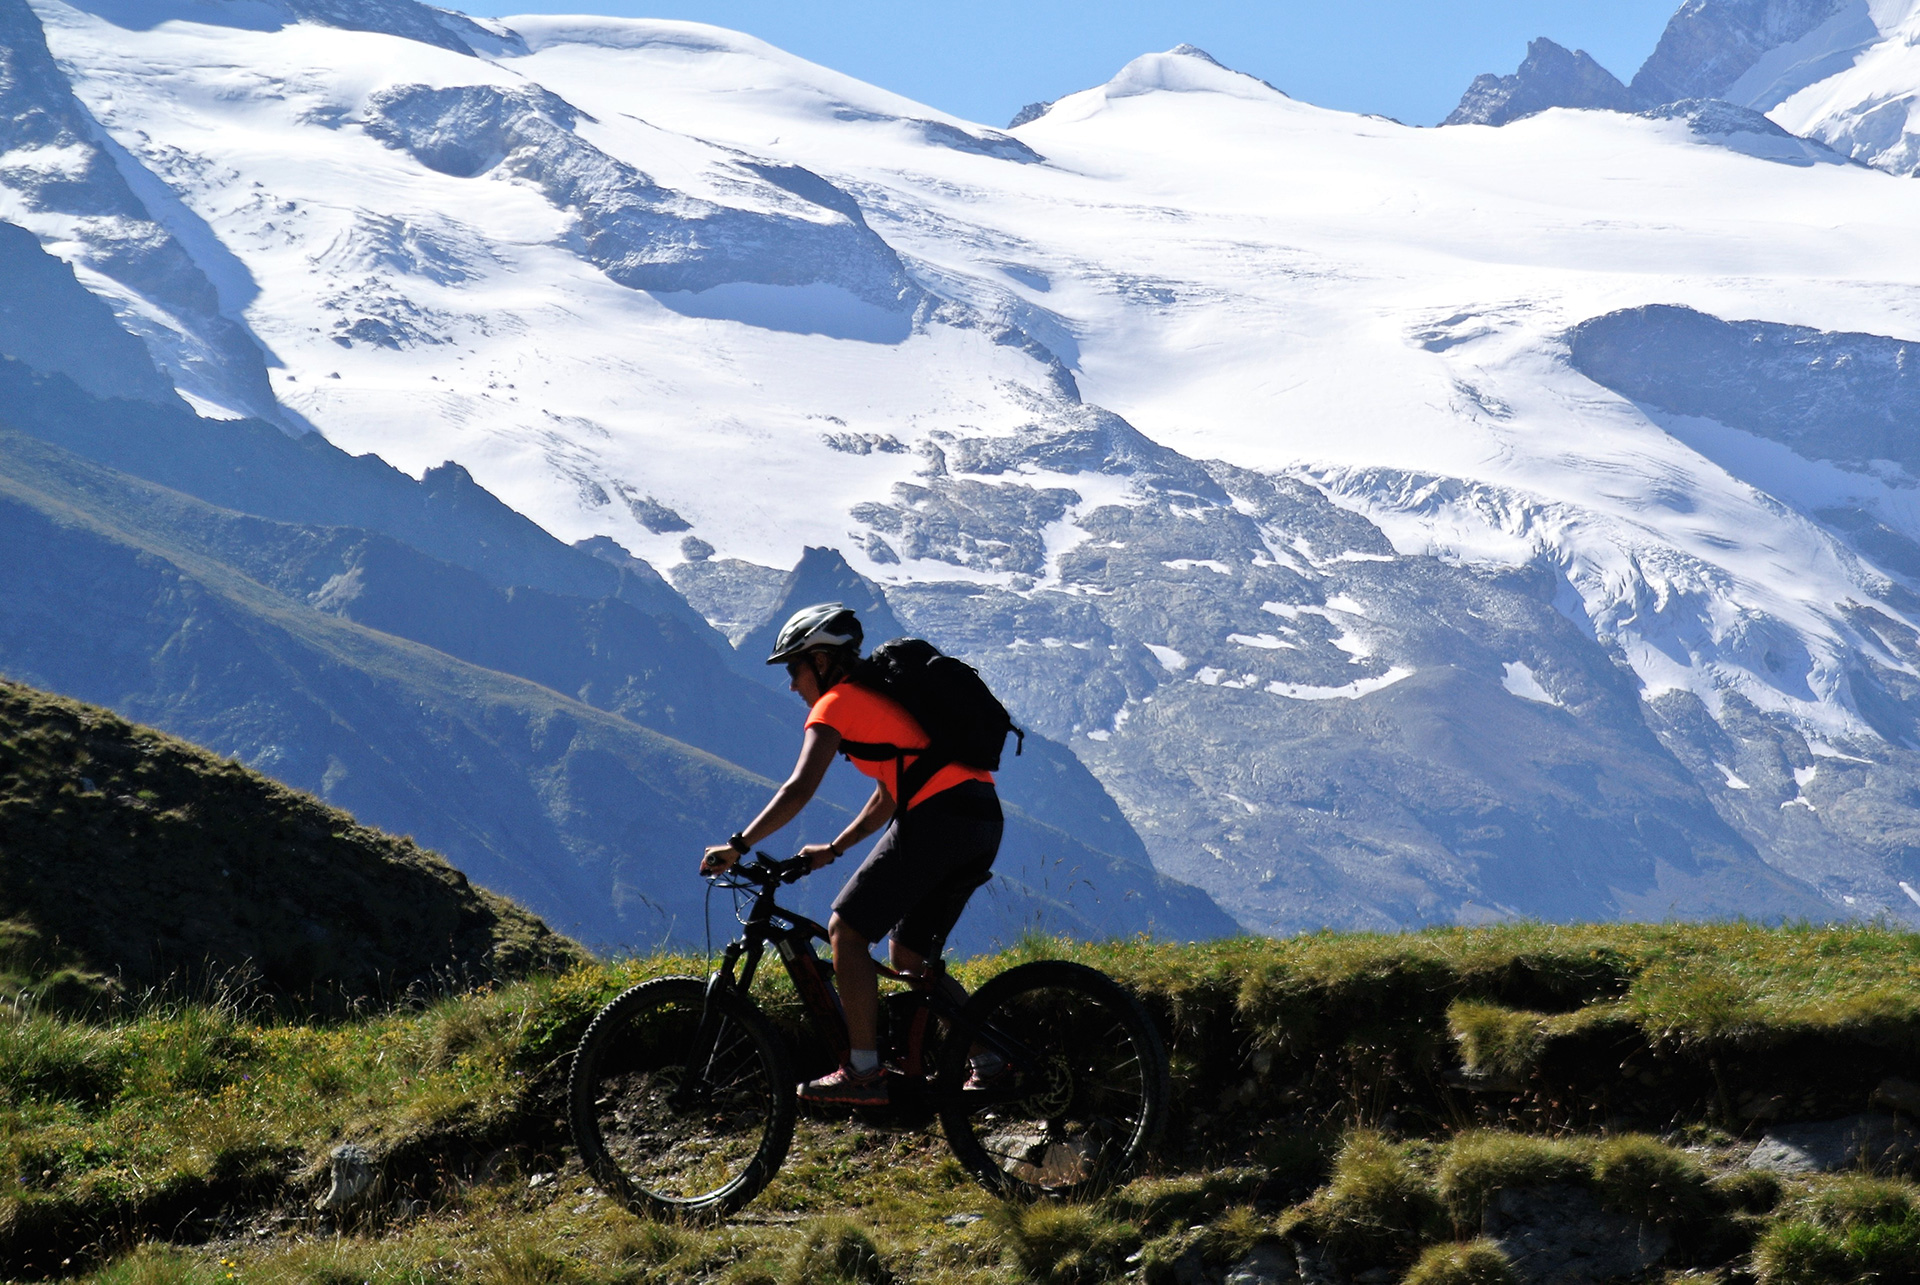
pixel 672 1138
pixel 1080 1102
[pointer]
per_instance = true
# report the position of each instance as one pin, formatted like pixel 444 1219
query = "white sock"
pixel 863 1061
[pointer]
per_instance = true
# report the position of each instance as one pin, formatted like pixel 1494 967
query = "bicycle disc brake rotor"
pixel 1053 1094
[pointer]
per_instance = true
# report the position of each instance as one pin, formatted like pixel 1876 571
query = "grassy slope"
pixel 131 859
pixel 1313 1103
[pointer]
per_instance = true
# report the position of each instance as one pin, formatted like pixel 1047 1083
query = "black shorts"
pixel 917 879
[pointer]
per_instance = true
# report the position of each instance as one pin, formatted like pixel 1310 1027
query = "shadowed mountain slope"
pixel 250 636
pixel 139 859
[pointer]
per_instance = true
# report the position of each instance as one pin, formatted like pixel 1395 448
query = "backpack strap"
pixel 914 779
pixel 872 751
pixel 908 781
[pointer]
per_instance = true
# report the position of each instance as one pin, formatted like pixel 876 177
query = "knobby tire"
pixel 672 1140
pixel 1079 1116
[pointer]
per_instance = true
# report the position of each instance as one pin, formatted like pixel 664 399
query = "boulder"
pixel 1559 1235
pixel 1875 1140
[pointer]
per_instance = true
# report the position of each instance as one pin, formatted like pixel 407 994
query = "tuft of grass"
pixel 527 1261
pixel 1751 1191
pixel 1478 1262
pixel 1378 1207
pixel 1646 1179
pixel 1497 1041
pixel 1802 1254
pixel 46 1057
pixel 1854 1201
pixel 1480 1163
pixel 1162 1203
pixel 836 1252
pixel 1064 1244
pixel 1848 1230
pixel 1233 1235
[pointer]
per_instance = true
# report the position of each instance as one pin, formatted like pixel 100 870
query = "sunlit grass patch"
pixel 1478 1164
pixel 1379 1206
pixel 835 1251
pixel 1478 1262
pixel 1646 1179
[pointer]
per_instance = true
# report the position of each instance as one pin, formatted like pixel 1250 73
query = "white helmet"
pixel 824 624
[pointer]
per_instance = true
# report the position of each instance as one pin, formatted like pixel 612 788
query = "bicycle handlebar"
pixel 766 872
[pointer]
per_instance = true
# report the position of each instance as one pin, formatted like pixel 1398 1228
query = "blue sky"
pixel 984 59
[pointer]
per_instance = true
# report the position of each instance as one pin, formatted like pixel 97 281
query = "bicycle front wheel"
pixel 1083 1093
pixel 674 1124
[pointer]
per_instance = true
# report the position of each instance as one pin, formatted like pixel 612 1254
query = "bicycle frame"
pixel 792 936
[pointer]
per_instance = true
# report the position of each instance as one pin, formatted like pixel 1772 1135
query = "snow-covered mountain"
pixel 1284 461
pixel 1843 73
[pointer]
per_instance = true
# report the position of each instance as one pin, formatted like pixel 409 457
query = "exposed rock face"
pixel 1709 44
pixel 1310 726
pixel 1026 115
pixel 641 234
pixel 1849 398
pixel 51 322
pixel 736 595
pixel 1549 77
pixel 63 183
pixel 407 19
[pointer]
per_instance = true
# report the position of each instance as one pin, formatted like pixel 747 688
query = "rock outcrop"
pixel 1551 76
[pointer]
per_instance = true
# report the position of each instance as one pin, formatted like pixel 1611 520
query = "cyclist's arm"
pixel 816 756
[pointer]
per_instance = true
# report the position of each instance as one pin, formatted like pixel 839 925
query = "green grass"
pixel 1478 1262
pixel 134 863
pixel 1313 1107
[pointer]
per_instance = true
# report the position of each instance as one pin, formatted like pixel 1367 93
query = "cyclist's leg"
pixel 971 827
pixel 858 983
pixel 962 842
pixel 865 910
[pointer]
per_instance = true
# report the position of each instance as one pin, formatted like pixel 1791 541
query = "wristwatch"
pixel 738 842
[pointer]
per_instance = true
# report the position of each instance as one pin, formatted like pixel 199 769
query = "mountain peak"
pixel 1185 50
pixel 1550 76
pixel 1186 69
pixel 1710 44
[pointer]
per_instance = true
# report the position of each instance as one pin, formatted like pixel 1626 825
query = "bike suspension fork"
pixel 706 1036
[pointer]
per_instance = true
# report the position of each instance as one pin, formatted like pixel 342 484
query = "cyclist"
pixel 916 880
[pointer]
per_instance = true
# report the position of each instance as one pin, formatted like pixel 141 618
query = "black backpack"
pixel 963 721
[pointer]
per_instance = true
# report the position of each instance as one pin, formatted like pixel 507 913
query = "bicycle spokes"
pixel 1080 1098
pixel 677 1120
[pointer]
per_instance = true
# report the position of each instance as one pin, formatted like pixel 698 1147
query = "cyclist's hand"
pixel 818 855
pixel 718 858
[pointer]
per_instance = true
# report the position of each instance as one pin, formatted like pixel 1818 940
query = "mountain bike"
pixel 682 1093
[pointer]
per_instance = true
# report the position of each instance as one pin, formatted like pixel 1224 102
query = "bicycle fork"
pixel 706 1036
